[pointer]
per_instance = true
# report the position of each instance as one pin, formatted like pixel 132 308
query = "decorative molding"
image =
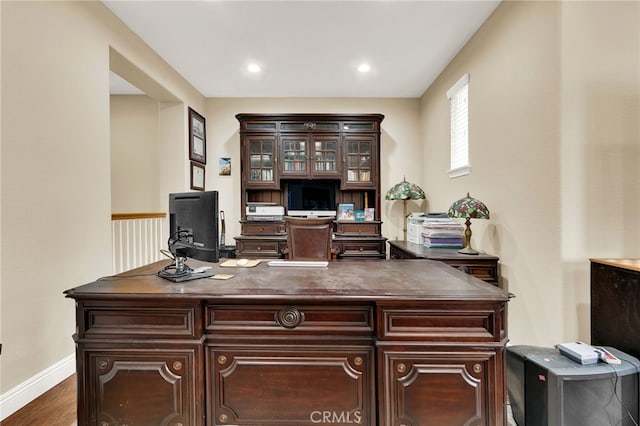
pixel 16 398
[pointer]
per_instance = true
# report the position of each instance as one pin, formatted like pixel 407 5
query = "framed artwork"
pixel 369 213
pixel 224 166
pixel 345 211
pixel 197 176
pixel 197 138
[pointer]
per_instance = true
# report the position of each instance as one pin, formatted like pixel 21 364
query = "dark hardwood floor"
pixel 56 407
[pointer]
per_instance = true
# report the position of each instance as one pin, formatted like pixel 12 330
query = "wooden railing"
pixel 137 239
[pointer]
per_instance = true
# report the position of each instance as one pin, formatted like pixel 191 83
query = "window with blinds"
pixel 458 96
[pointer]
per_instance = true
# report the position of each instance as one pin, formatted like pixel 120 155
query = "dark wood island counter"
pixel 370 343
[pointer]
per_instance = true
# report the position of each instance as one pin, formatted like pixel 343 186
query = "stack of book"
pixel 442 233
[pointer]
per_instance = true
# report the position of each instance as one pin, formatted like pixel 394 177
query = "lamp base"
pixel 468 250
pixel 467 240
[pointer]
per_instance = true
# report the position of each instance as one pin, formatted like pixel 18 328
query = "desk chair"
pixel 309 239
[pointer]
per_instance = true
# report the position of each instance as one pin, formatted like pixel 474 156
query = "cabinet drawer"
pixel 299 319
pixel 486 271
pixel 263 228
pixel 446 324
pixel 140 320
pixel 358 228
pixel 361 248
pixel 260 248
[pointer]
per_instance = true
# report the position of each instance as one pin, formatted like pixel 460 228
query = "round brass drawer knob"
pixel 477 368
pixel 401 368
pixel 223 418
pixel 358 361
pixel 177 365
pixel 289 317
pixel 102 365
pixel 222 359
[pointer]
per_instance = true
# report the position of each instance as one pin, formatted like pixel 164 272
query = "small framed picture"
pixel 197 176
pixel 224 166
pixel 197 137
pixel 369 214
pixel 345 212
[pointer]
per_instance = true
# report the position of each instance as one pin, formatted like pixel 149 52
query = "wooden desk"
pixel 615 304
pixel 483 266
pixel 369 343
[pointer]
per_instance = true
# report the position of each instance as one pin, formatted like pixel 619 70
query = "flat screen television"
pixel 548 389
pixel 193 232
pixel 311 198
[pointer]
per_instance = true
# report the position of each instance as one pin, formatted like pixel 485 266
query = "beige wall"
pixel 600 145
pixel 134 154
pixel 400 147
pixel 56 169
pixel 553 149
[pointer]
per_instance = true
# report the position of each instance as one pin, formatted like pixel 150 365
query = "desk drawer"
pixel 362 248
pixel 358 228
pixel 263 228
pixel 258 248
pixel 139 320
pixel 487 271
pixel 279 319
pixel 439 324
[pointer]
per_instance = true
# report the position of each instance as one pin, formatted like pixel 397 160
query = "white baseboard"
pixel 16 398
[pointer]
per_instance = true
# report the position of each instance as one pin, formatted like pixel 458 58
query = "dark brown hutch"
pixel 278 150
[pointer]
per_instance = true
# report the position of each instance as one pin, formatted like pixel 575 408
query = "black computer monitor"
pixel 193 232
pixel 311 198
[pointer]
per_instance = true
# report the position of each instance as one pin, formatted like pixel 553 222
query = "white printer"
pixel 264 212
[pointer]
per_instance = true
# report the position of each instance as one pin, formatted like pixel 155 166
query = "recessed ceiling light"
pixel 364 68
pixel 253 68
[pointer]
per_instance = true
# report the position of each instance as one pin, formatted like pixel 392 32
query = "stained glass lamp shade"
pixel 405 191
pixel 468 208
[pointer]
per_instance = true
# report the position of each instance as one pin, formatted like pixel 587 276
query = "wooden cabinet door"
pixel 432 388
pixel 324 151
pixel 276 385
pixel 360 162
pixel 142 387
pixel 310 156
pixel 260 162
pixel 294 156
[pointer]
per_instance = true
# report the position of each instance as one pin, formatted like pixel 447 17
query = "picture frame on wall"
pixel 197 137
pixel 197 176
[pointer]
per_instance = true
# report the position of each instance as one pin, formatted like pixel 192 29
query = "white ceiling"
pixel 305 48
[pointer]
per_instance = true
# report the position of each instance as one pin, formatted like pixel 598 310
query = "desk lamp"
pixel 405 191
pixel 468 208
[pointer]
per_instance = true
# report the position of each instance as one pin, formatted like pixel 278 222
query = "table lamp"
pixel 405 191
pixel 468 208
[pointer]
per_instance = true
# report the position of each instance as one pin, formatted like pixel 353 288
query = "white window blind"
pixel 458 96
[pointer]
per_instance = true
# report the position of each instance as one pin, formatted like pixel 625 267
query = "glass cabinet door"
pixel 294 155
pixel 326 155
pixel 360 156
pixel 261 154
